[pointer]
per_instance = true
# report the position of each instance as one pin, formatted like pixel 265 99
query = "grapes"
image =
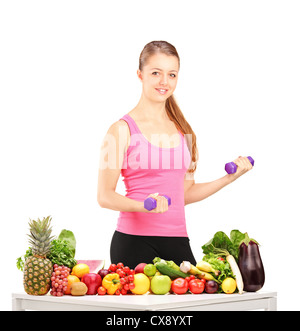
pixel 59 280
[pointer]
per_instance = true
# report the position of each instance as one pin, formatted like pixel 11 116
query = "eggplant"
pixel 251 266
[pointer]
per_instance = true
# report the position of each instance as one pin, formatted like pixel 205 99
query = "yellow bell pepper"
pixel 111 282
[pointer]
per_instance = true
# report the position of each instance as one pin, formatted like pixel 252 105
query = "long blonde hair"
pixel 172 108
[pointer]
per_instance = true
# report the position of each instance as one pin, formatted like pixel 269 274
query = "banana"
pixel 194 271
pixel 207 276
pixel 205 266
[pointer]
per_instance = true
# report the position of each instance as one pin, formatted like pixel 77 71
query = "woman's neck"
pixel 150 110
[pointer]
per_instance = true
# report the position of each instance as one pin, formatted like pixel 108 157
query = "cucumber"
pixel 164 269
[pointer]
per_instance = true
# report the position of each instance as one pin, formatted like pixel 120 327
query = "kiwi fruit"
pixel 78 288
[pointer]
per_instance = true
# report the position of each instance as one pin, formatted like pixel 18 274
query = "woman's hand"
pixel 161 204
pixel 243 166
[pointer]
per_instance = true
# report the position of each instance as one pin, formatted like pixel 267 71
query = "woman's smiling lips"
pixel 161 91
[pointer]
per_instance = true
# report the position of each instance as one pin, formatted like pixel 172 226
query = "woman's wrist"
pixel 139 207
pixel 229 178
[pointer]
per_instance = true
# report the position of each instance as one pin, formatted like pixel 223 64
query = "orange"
pixel 71 279
pixel 80 270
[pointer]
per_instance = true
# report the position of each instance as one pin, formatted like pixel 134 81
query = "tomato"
pixel 180 286
pixel 113 267
pixel 121 273
pixel 196 286
pixel 101 290
pixel 131 286
pixel 131 272
pixel 220 258
pixel 123 291
pixel 131 278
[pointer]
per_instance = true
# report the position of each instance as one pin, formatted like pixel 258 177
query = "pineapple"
pixel 37 268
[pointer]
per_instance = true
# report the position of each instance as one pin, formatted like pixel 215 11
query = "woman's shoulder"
pixel 119 128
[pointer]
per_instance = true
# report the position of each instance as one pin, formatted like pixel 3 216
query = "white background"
pixel 68 71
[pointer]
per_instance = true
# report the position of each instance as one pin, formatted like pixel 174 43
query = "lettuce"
pixel 221 241
pixel 69 237
pixel 61 253
pixel 222 266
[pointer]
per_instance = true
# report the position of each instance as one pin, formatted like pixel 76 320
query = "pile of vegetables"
pixel 237 257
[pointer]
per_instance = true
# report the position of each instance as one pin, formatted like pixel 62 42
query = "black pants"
pixel 132 249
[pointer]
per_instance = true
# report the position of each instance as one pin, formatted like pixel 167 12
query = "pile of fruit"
pixel 145 278
pixel 49 265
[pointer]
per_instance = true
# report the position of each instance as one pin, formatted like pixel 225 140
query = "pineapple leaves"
pixel 40 235
pixel 59 251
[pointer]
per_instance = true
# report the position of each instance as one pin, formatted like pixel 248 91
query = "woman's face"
pixel 159 77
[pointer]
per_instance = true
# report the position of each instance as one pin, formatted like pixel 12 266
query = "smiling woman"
pixel 154 149
pixel 159 65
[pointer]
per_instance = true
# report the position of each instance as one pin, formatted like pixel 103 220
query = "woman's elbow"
pixel 101 201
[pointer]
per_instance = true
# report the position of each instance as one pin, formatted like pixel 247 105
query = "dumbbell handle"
pixel 231 167
pixel 150 203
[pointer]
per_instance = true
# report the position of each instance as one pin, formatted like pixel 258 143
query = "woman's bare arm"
pixel 195 192
pixel 111 159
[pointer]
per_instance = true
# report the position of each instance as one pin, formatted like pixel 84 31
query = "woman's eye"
pixel 155 73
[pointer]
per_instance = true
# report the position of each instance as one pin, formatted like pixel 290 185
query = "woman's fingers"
pixel 243 165
pixel 153 195
pixel 161 203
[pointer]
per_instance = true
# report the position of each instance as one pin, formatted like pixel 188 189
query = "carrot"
pixel 234 267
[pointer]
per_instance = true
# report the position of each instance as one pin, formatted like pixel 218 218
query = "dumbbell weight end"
pixel 150 203
pixel 231 167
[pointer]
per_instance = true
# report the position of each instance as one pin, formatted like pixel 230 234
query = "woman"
pixel 154 148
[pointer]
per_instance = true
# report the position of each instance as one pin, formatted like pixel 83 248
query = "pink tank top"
pixel 148 169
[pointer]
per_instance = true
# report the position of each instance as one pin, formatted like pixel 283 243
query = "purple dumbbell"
pixel 231 166
pixel 150 203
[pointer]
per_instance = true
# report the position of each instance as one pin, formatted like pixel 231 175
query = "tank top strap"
pixel 131 123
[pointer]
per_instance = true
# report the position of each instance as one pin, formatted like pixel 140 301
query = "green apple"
pixel 161 284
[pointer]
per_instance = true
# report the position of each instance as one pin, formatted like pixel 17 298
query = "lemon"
pixel 229 285
pixel 142 284
pixel 80 270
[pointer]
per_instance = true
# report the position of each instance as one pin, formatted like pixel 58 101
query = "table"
pixel 150 302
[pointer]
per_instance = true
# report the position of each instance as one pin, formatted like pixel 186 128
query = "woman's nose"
pixel 164 80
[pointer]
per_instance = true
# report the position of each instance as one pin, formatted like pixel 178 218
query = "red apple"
pixel 92 281
pixel 140 268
